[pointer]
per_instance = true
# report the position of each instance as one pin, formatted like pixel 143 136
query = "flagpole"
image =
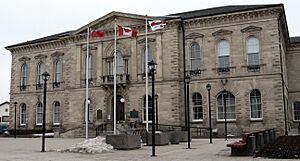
pixel 87 85
pixel 115 80
pixel 146 72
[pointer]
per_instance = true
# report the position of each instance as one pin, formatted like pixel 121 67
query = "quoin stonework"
pixel 244 52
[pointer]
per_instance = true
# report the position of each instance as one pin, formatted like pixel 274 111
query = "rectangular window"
pixel 23 115
pixel 224 61
pixel 39 116
pixel 253 59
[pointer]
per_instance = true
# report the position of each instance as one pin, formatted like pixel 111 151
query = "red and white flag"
pixel 157 24
pixel 126 31
pixel 97 33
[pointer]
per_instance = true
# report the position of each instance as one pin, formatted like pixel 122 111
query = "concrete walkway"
pixel 28 149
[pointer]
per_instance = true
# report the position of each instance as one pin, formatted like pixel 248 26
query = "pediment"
pixel 24 58
pixel 143 40
pixel 40 56
pixel 251 29
pixel 222 32
pixel 57 54
pixel 194 35
pixel 106 23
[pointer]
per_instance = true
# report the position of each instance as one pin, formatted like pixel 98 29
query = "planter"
pixel 124 141
pixel 175 137
pixel 160 138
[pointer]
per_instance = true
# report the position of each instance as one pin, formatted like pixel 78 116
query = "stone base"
pixel 160 139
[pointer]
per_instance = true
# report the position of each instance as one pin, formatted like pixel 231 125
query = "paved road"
pixel 28 149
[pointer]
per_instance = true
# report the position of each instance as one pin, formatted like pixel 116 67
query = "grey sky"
pixel 23 20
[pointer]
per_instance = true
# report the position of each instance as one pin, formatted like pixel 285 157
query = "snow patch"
pixel 91 146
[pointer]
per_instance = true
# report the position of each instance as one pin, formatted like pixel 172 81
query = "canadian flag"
pixel 126 31
pixel 157 24
pixel 97 33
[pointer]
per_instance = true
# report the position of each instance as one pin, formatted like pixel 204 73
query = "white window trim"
pixel 20 109
pixel 222 120
pixel 259 50
pixel 36 118
pixel 262 114
pixel 55 123
pixel 144 119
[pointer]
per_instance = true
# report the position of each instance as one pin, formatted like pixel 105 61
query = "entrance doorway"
pixel 120 109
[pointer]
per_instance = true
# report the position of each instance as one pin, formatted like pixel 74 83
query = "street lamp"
pixel 152 66
pixel 187 80
pixel 45 76
pixel 156 110
pixel 15 130
pixel 225 115
pixel 208 87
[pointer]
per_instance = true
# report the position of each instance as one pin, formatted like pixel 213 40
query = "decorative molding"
pixel 24 58
pixel 57 54
pixel 143 40
pixel 194 35
pixel 222 32
pixel 251 29
pixel 41 56
pixel 92 47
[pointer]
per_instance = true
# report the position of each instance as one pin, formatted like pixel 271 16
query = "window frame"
pixel 149 109
pixel 197 106
pixel 220 55
pixel 41 68
pixel 261 109
pixel 247 50
pixel 22 105
pixel 56 110
pixel 37 113
pixel 297 110
pixel 24 76
pixel 57 71
pixel 193 52
pixel 222 95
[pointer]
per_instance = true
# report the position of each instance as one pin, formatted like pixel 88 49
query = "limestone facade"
pixel 275 77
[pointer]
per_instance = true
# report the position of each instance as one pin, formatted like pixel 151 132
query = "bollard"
pixel 260 140
pixel 253 145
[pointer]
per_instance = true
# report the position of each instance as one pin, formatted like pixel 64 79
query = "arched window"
pixel 99 114
pixel 197 107
pixel 56 113
pixel 223 54
pixel 120 63
pixel 57 72
pixel 39 114
pixel 253 51
pixel 23 114
pixel 40 71
pixel 195 57
pixel 149 108
pixel 255 103
pixel 150 58
pixel 230 106
pixel 90 111
pixel 297 111
pixel 24 76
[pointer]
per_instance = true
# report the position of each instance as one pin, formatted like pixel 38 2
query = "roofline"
pixel 6 102
pixel 225 12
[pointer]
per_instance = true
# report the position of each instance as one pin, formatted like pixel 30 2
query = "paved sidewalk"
pixel 28 149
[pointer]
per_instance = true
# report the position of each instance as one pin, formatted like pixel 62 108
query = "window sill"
pixel 256 120
pixel 195 121
pixel 228 121
pixel 56 125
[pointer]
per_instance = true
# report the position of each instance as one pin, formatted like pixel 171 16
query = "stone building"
pixel 244 52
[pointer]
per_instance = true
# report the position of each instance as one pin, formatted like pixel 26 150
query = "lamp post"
pixel 45 76
pixel 225 111
pixel 187 80
pixel 152 66
pixel 156 110
pixel 208 87
pixel 15 130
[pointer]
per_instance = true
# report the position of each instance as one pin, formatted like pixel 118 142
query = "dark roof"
pixel 6 102
pixel 295 39
pixel 221 10
pixel 47 38
pixel 184 15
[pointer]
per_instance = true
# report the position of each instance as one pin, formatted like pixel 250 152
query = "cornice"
pixel 194 35
pixel 24 58
pixel 251 29
pixel 222 32
pixel 232 17
pixel 143 40
pixel 40 56
pixel 57 54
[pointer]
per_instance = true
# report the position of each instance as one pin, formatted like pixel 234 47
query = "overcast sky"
pixel 23 20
